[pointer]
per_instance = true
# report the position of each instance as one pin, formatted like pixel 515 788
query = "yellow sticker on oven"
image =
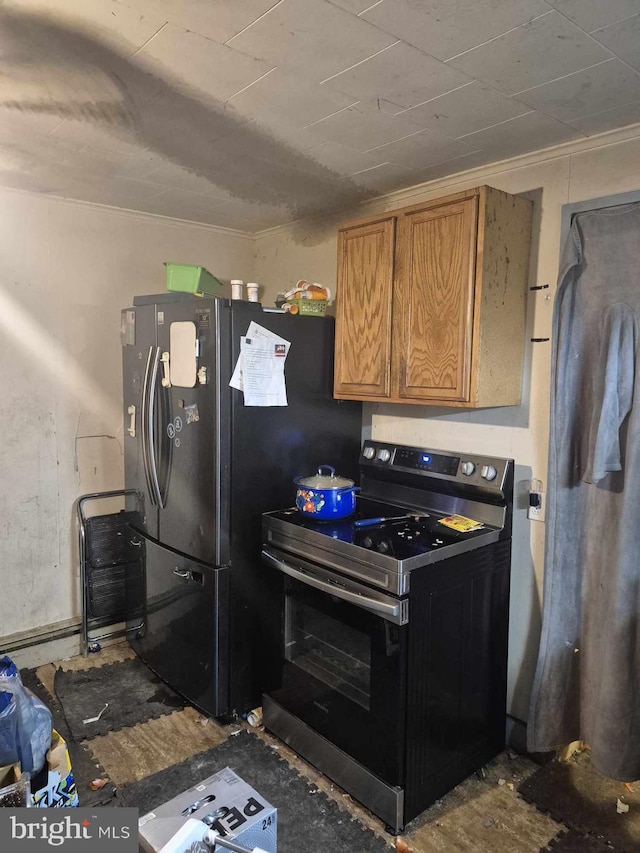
pixel 460 523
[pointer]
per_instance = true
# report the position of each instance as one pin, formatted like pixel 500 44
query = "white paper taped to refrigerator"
pixel 259 370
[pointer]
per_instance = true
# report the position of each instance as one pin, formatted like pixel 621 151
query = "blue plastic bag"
pixel 32 719
pixel 8 729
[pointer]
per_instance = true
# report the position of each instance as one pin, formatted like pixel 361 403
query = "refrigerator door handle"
pixel 153 471
pixel 131 429
pixel 166 370
pixel 144 422
pixel 182 573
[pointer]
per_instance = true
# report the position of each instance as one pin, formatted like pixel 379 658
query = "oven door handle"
pixel 393 612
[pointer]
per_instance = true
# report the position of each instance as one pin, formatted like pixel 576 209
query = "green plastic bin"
pixel 187 278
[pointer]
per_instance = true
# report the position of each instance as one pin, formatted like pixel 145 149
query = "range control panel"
pixel 466 468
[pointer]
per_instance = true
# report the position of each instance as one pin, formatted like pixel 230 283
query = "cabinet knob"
pixel 488 472
pixel 467 468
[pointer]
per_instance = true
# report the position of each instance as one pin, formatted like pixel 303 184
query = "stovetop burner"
pixel 411 534
pixel 408 482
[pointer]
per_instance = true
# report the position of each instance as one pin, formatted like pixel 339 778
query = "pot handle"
pixel 332 471
pixel 329 468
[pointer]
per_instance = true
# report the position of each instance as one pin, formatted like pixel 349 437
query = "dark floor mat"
pixel 134 694
pixel 85 768
pixel 576 842
pixel 584 800
pixel 307 819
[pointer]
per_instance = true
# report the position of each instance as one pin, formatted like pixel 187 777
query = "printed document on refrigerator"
pixel 256 331
pixel 263 372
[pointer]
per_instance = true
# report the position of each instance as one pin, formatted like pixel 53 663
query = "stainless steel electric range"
pixel 389 632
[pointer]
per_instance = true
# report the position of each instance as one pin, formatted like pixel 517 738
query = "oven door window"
pixel 336 654
pixel 343 673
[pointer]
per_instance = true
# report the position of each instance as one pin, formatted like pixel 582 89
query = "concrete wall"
pixel 66 270
pixel 590 169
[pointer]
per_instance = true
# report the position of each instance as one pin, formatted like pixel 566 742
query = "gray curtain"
pixel 587 683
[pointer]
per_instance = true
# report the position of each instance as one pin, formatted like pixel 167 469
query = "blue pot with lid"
pixel 325 496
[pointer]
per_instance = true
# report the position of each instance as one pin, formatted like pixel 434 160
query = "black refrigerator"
pixel 204 467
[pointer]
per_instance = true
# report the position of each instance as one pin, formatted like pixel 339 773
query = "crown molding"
pixel 131 214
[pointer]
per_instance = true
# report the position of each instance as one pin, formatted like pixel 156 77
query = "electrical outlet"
pixel 537 506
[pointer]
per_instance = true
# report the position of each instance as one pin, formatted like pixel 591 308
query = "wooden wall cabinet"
pixel 431 302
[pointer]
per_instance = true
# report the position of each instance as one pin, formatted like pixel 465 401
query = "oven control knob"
pixel 488 472
pixel 467 468
pixel 369 452
pixel 384 455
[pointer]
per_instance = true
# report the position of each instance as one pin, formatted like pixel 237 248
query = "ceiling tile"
pixel 287 146
pixel 95 135
pixel 288 137
pixel 30 181
pixel 445 29
pixel 284 137
pixel 216 70
pixel 141 163
pixel 109 19
pixel 120 192
pixel 22 123
pixel 182 204
pixel 354 6
pixel 608 120
pixel 623 39
pixel 592 14
pixel 451 167
pixel 282 96
pixel 386 177
pixel 248 217
pixel 423 149
pixel 84 160
pixel 472 107
pixel 535 53
pixel 312 35
pixel 361 128
pixel 344 160
pixel 170 175
pixel 593 90
pixel 520 135
pixel 401 74
pixel 218 19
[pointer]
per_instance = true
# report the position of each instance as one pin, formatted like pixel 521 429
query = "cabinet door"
pixel 363 321
pixel 433 307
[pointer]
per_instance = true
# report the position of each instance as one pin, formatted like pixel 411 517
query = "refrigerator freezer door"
pixel 139 344
pixel 190 428
pixel 182 632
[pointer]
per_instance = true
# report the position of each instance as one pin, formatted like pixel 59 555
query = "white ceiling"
pixel 253 113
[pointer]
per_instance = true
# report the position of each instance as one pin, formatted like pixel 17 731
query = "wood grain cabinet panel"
pixel 431 302
pixel 434 283
pixel 363 351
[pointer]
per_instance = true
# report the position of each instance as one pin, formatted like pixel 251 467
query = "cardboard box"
pixel 60 789
pixel 243 815
pixel 15 788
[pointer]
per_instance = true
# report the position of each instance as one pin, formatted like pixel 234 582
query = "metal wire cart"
pixel 111 568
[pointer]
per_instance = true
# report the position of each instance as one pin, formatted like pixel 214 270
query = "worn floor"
pixel 480 815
